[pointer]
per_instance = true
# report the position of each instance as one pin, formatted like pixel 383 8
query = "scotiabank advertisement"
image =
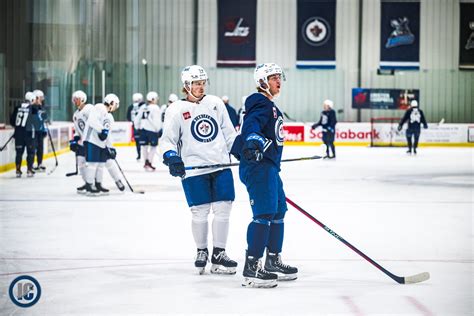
pixel 345 132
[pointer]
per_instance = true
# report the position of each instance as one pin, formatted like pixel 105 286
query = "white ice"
pixel 133 254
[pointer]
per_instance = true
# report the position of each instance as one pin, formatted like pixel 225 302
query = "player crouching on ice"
pixel 197 131
pixel 98 145
pixel 259 170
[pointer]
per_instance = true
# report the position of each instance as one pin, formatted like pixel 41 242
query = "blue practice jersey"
pixel 263 117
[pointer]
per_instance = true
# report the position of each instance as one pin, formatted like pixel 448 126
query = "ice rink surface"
pixel 133 254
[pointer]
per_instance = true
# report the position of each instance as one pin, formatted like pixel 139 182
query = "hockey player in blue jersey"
pixel 43 132
pixel 198 131
pixel 259 171
pixel 328 123
pixel 415 117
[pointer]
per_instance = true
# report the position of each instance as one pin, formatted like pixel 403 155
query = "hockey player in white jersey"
pixel 97 143
pixel 109 164
pixel 197 131
pixel 79 118
pixel 149 121
pixel 132 112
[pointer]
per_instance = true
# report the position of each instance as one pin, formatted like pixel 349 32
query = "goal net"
pixel 385 133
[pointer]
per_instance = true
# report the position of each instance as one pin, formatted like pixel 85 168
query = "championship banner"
pixel 466 33
pixel 236 37
pixel 316 34
pixel 383 99
pixel 400 35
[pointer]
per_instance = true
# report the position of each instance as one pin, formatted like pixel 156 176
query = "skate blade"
pixel 257 283
pixel 202 270
pixel 81 192
pixel 219 269
pixel 286 277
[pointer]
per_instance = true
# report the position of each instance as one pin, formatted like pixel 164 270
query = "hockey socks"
pixel 258 233
pixel 277 229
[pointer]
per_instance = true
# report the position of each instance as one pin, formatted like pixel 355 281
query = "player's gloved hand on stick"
pixel 112 152
pixel 314 126
pixel 253 148
pixel 399 128
pixel 174 163
pixel 425 126
pixel 330 129
pixel 73 143
pixel 103 135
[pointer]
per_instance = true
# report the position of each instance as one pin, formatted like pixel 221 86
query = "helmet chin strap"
pixel 191 94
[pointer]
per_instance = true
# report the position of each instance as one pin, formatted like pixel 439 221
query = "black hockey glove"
pixel 103 135
pixel 174 163
pixel 112 152
pixel 253 148
pixel 399 128
pixel 73 143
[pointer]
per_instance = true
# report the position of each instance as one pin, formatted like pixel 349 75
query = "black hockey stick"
pixel 224 165
pixel 73 173
pixel 3 147
pixel 131 189
pixel 420 277
pixel 54 152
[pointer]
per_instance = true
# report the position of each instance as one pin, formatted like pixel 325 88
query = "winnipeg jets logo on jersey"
pixel 415 116
pixel 204 128
pixel 107 123
pixel 81 124
pixel 279 134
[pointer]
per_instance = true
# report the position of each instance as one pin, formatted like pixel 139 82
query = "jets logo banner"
pixel 316 34
pixel 400 35
pixel 466 33
pixel 236 33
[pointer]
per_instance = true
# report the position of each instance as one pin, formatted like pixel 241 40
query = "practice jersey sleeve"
pixel 227 126
pixel 257 115
pixel 171 131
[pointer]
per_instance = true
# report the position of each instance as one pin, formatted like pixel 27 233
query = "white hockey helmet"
pixel 329 103
pixel 79 94
pixel 193 73
pixel 152 96
pixel 137 97
pixel 30 97
pixel 38 93
pixel 263 71
pixel 225 99
pixel 172 98
pixel 112 99
pixel 414 103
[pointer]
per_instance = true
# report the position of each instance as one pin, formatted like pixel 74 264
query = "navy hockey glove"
pixel 103 135
pixel 426 126
pixel 253 148
pixel 112 152
pixel 174 163
pixel 399 128
pixel 330 129
pixel 314 126
pixel 73 143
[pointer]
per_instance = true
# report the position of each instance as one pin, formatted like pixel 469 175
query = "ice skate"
pixel 285 272
pixel 201 260
pixel 18 173
pixel 221 263
pixel 101 189
pixel 147 166
pixel 40 168
pixel 120 185
pixel 30 173
pixel 414 151
pixel 81 189
pixel 256 276
pixel 91 191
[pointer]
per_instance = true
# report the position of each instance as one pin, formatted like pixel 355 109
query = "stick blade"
pixel 417 278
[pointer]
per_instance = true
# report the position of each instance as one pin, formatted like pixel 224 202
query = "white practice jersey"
pixel 201 133
pixel 134 112
pixel 99 119
pixel 149 118
pixel 79 119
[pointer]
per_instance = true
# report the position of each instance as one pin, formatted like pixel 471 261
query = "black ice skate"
pixel 120 185
pixel 91 191
pixel 82 189
pixel 221 263
pixel 101 189
pixel 201 260
pixel 30 173
pixel 285 272
pixel 256 276
pixel 18 172
pixel 40 168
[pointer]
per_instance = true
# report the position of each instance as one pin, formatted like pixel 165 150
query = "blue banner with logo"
pixel 316 34
pixel 400 35
pixel 236 37
pixel 383 99
pixel 466 36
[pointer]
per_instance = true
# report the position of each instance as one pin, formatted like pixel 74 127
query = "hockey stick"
pixel 3 147
pixel 224 165
pixel 130 187
pixel 420 277
pixel 54 152
pixel 73 173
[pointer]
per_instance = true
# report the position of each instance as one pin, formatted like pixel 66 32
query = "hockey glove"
pixel 330 129
pixel 112 152
pixel 160 133
pixel 399 128
pixel 73 143
pixel 174 163
pixel 426 126
pixel 314 126
pixel 103 135
pixel 253 148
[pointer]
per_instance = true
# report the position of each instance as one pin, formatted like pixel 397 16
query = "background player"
pixel 328 122
pixel 43 130
pixel 415 117
pixel 132 112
